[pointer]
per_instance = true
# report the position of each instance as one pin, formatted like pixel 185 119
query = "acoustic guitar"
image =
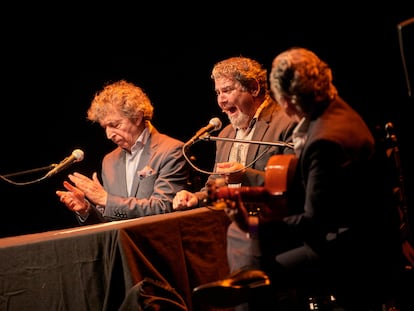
pixel 271 200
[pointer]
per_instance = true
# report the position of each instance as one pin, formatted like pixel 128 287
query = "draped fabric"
pixel 106 266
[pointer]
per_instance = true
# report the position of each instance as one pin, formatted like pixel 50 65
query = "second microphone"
pixel 213 125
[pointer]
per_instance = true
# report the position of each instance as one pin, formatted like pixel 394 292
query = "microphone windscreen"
pixel 216 122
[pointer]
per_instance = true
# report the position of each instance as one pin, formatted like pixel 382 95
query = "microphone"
pixel 76 156
pixel 213 125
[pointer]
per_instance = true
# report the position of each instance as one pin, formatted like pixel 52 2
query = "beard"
pixel 241 120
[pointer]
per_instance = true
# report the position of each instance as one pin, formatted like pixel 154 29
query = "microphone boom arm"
pixel 268 143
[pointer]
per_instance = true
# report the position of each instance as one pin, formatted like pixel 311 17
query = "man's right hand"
pixel 184 199
pixel 232 171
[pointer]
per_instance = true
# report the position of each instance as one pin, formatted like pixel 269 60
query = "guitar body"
pixel 279 173
pixel 279 183
pixel 269 201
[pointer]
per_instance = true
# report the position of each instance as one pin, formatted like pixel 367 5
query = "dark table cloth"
pixel 95 267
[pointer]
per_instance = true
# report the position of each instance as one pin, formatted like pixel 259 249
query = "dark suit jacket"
pixel 333 167
pixel 161 173
pixel 344 223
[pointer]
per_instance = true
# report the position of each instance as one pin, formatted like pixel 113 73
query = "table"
pixel 95 267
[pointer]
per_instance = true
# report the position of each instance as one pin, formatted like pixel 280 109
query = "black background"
pixel 54 59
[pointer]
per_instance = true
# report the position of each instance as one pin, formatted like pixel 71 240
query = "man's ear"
pixel 139 119
pixel 254 88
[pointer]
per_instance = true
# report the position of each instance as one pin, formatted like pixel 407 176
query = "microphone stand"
pixel 233 140
pixel 208 137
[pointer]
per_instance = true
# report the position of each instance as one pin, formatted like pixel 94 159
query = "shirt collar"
pixel 300 135
pixel 141 141
pixel 256 116
pixel 302 127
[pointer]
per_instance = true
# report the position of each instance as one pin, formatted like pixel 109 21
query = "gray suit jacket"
pixel 161 173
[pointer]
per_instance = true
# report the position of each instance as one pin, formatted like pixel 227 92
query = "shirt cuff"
pixel 84 215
